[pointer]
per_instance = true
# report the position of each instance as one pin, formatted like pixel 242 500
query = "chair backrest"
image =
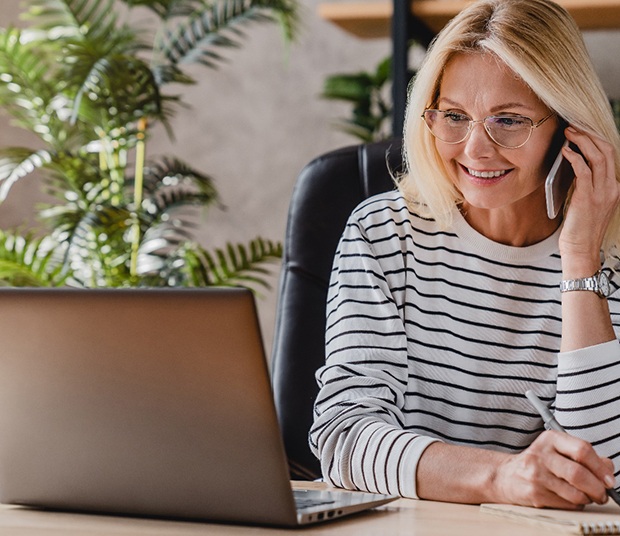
pixel 326 192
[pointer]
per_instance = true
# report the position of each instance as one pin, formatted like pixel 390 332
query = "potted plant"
pixel 369 94
pixel 366 92
pixel 91 87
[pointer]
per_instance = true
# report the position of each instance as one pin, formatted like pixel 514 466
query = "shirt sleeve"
pixel 358 431
pixel 588 397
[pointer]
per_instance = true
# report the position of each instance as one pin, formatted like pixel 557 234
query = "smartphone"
pixel 558 183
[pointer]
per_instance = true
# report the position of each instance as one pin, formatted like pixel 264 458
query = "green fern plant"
pixel 29 261
pixel 368 93
pixel 91 87
pixel 371 108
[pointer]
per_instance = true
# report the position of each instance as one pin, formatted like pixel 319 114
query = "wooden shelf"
pixel 372 19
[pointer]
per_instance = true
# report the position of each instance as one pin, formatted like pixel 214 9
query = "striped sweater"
pixel 435 336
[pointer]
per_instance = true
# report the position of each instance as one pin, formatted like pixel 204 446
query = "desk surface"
pixel 371 18
pixel 402 517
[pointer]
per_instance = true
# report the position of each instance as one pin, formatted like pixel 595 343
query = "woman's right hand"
pixel 557 470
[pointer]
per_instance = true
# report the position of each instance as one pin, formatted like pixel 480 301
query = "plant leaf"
pixel 218 25
pixel 349 87
pixel 82 16
pixel 166 9
pixel 18 162
pixel 171 183
pixel 28 261
pixel 239 264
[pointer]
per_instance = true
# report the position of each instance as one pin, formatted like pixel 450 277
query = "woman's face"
pixel 504 182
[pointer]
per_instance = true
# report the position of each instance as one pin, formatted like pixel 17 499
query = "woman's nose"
pixel 478 143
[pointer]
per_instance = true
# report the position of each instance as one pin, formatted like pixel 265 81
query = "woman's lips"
pixel 485 177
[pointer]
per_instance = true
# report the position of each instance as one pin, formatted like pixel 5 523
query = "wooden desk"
pixel 372 19
pixel 403 517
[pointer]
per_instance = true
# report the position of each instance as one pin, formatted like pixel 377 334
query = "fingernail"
pixel 572 129
pixel 610 482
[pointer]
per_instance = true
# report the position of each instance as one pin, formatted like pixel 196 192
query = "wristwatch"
pixel 598 283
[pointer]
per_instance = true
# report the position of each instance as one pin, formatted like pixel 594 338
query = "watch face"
pixel 603 284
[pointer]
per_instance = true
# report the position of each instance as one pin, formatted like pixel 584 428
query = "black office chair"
pixel 326 192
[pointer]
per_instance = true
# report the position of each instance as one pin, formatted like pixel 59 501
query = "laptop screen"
pixel 139 401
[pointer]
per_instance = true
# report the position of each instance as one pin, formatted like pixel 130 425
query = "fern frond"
pixel 237 264
pixel 113 221
pixel 96 17
pixel 167 9
pixel 170 171
pixel 76 177
pixel 18 162
pixel 19 61
pixel 191 265
pixel 168 199
pixel 161 239
pixel 159 262
pixel 121 90
pixel 172 183
pixel 98 247
pixel 28 261
pixel 32 88
pixel 217 25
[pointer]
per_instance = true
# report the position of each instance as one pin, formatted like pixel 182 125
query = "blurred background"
pixel 256 121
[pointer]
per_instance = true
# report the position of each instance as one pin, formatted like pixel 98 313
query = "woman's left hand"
pixel 595 197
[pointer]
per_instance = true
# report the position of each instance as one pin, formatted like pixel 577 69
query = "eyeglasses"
pixel 507 130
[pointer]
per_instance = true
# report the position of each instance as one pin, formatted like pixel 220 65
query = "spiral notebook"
pixel 594 519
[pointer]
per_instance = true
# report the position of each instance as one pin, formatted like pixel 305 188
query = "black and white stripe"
pixel 435 335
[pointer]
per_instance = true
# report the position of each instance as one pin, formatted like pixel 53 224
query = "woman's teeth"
pixel 486 174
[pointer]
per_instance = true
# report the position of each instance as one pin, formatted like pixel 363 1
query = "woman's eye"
pixel 510 122
pixel 456 118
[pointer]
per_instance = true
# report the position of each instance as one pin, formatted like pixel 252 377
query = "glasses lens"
pixel 450 127
pixel 509 130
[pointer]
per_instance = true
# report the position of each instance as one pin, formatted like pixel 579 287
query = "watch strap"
pixel 597 283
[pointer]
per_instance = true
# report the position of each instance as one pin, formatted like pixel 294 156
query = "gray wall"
pixel 254 123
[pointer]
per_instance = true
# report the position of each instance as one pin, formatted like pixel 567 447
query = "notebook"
pixel 145 402
pixel 594 519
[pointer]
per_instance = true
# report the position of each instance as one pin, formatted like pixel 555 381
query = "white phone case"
pixel 553 192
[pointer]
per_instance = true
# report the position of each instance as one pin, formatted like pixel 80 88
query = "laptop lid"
pixel 147 402
pixel 152 402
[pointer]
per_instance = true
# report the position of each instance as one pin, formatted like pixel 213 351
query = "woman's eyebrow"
pixel 450 102
pixel 509 105
pixel 494 109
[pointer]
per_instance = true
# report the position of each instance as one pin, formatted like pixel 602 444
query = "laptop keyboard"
pixel 304 500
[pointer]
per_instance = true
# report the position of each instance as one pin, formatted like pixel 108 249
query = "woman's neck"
pixel 507 227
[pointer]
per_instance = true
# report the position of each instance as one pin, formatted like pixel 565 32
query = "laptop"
pixel 146 402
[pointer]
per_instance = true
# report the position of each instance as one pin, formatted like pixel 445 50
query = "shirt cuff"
pixel 589 357
pixel 409 467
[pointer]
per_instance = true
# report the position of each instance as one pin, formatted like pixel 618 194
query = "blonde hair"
pixel 538 40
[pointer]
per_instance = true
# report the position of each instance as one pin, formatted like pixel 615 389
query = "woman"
pixel 445 303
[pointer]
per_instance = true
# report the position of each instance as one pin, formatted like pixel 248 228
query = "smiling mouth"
pixel 487 174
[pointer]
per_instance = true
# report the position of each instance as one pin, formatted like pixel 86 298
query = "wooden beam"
pixel 370 20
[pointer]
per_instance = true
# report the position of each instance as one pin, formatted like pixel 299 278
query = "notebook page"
pixel 594 519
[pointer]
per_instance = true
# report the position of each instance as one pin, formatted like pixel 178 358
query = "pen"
pixel 552 424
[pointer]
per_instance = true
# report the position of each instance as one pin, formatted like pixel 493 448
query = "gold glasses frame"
pixel 472 122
